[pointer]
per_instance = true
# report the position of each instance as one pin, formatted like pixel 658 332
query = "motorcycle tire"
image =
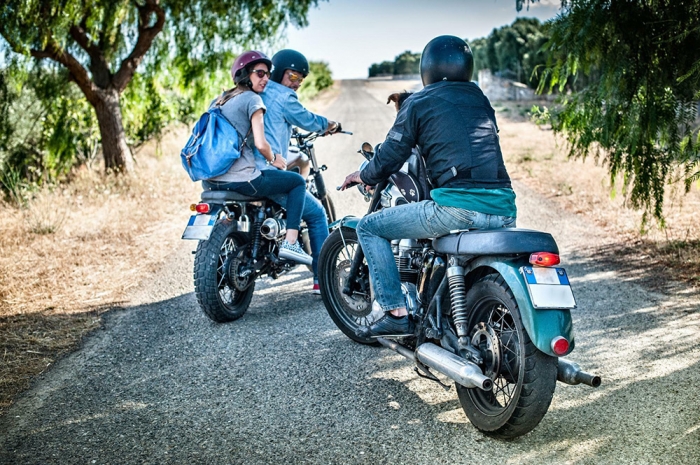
pixel 348 313
pixel 524 377
pixel 218 299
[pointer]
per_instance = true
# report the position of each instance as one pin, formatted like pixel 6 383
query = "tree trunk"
pixel 116 152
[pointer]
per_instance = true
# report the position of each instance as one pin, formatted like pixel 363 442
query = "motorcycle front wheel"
pixel 523 377
pixel 347 312
pixel 219 300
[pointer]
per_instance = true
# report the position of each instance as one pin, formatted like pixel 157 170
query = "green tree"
pixel 381 69
pixel 319 78
pixel 640 114
pixel 407 63
pixel 513 51
pixel 101 44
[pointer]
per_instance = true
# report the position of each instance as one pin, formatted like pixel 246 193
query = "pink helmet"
pixel 238 70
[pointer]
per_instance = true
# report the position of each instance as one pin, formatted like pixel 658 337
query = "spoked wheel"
pixel 222 299
pixel 523 377
pixel 347 312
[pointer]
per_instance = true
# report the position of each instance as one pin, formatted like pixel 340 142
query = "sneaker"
pixel 316 290
pixel 387 326
pixel 294 252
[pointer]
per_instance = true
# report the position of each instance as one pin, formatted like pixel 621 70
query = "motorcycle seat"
pixel 505 241
pixel 227 196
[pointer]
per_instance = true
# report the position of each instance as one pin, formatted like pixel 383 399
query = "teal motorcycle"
pixel 491 308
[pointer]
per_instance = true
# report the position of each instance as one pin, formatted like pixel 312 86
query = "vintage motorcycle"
pixel 239 238
pixel 491 309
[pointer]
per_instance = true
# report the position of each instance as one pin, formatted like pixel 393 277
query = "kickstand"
pixel 424 372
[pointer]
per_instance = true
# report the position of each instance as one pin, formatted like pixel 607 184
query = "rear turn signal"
pixel 204 208
pixel 560 346
pixel 544 259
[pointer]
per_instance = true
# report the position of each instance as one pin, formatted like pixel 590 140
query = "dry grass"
pixel 537 159
pixel 78 249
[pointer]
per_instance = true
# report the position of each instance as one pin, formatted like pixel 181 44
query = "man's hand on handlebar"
pixel 351 180
pixel 333 127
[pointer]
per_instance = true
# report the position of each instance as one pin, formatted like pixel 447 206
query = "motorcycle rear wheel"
pixel 348 313
pixel 524 378
pixel 218 299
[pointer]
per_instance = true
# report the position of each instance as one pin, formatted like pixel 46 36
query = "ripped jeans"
pixel 419 220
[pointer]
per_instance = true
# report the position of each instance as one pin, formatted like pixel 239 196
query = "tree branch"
pixel 143 43
pixel 98 65
pixel 77 71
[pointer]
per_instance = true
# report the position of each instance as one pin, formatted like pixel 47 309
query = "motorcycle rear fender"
pixel 347 222
pixel 541 325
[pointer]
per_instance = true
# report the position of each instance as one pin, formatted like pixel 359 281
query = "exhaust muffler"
pixel 443 361
pixel 570 373
pixel 273 228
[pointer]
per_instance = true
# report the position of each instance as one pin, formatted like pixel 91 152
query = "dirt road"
pixel 163 384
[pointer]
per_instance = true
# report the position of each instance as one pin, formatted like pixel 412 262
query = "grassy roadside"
pixel 77 250
pixel 535 157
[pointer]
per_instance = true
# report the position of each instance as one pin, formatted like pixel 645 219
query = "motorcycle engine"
pixel 407 253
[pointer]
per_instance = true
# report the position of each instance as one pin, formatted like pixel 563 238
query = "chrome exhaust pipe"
pixel 443 361
pixel 273 228
pixel 570 373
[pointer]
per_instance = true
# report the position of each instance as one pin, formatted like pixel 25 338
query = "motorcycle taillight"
pixel 544 259
pixel 202 208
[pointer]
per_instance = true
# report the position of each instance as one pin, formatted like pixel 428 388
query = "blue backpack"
pixel 213 146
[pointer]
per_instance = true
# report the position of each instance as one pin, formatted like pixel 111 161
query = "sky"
pixel 350 35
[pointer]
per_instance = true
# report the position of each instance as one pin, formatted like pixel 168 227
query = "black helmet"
pixel 446 58
pixel 288 59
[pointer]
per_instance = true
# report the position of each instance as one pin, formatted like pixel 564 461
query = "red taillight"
pixel 560 346
pixel 204 208
pixel 544 259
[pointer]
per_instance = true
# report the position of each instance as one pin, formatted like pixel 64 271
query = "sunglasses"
pixel 294 77
pixel 261 73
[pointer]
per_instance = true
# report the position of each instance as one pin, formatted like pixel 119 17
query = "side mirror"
pixel 367 150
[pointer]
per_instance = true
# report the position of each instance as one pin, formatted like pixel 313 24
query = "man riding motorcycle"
pixel 453 123
pixel 289 68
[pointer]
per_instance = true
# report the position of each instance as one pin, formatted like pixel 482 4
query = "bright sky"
pixel 350 35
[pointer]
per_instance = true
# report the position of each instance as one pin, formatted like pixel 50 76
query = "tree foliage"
pixel 640 113
pixel 404 63
pixel 319 78
pixel 514 51
pixel 126 67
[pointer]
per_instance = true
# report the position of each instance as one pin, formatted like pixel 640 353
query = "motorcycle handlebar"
pixel 352 184
pixel 304 137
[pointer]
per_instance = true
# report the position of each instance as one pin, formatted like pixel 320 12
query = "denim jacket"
pixel 283 112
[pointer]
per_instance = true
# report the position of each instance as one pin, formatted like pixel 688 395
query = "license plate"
pixel 199 227
pixel 548 287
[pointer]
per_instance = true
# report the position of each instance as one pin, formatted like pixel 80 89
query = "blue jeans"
pixel 315 217
pixel 268 184
pixel 419 220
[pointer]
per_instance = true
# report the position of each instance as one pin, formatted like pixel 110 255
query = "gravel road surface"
pixel 160 383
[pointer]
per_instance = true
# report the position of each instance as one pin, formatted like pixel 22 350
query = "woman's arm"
pixel 258 127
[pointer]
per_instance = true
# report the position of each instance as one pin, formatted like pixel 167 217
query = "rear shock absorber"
pixel 458 297
pixel 257 238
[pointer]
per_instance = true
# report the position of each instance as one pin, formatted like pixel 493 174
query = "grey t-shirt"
pixel 238 110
